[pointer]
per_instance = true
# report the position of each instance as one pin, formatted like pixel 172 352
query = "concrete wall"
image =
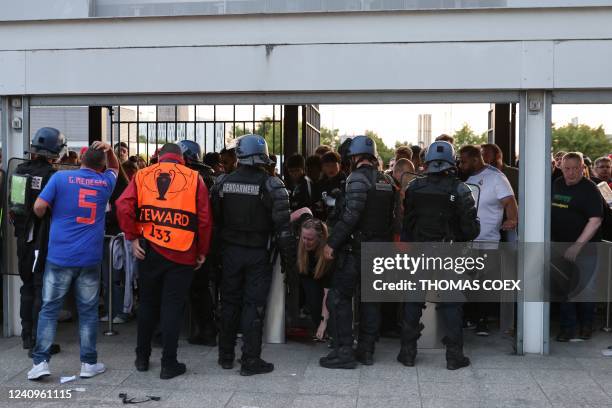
pixel 57 9
pixel 408 51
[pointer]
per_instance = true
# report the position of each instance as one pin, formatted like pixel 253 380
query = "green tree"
pixel 385 152
pixel 330 137
pixel 271 131
pixel 591 142
pixel 467 136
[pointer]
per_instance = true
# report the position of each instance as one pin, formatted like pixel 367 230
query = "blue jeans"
pixel 56 284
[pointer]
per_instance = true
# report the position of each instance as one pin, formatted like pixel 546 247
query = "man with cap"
pixel 251 210
pixel 32 233
pixel 437 208
pixel 165 212
pixel 366 215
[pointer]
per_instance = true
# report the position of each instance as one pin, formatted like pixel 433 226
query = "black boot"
pixel 172 370
pixel 454 355
pixel 408 350
pixel 27 341
pixel 408 353
pixel 341 358
pixel 254 365
pixel 364 357
pixel 226 360
pixel 330 356
pixel 142 363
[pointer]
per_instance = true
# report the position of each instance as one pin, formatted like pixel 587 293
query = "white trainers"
pixel 91 370
pixel 39 371
pixel 119 320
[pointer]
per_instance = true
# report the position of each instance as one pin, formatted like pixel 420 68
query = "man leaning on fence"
pixel 77 200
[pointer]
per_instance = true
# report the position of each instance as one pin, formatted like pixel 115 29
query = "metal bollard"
pixel 110 331
pixel 274 326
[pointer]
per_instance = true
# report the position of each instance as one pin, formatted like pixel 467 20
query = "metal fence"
pixel 144 128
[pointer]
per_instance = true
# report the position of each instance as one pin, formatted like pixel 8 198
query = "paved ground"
pixel 576 375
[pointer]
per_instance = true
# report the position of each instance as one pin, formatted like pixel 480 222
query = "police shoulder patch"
pixel 36 183
pixel 241 188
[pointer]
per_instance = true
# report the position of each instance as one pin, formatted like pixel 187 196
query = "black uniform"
pixel 327 187
pixel 303 194
pixel 200 296
pixel 32 233
pixel 437 208
pixel 366 215
pixel 249 206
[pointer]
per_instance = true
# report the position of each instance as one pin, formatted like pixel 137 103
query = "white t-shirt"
pixel 493 187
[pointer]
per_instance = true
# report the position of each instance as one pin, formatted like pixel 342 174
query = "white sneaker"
pixel 39 371
pixel 119 320
pixel 104 319
pixel 91 370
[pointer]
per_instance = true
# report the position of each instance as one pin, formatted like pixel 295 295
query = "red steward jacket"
pixel 127 205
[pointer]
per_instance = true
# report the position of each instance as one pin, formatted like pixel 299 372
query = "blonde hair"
pixel 303 261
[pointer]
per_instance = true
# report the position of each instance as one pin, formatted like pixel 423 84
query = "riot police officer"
pixel 437 208
pixel 250 208
pixel 32 233
pixel 366 215
pixel 192 153
pixel 200 297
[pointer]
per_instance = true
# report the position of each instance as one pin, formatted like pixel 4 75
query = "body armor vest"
pixel 246 220
pixel 377 218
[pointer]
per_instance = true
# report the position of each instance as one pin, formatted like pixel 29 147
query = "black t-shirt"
pixel 572 206
pixel 325 280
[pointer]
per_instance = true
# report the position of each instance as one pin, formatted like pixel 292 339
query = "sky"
pixel 400 122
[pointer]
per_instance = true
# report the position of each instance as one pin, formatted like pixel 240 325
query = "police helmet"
pixel 440 156
pixel 191 151
pixel 362 145
pixel 49 142
pixel 252 150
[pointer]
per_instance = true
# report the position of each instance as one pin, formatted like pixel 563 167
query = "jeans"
pixel 56 284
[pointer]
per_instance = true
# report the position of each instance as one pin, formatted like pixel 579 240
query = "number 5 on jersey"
pixel 83 203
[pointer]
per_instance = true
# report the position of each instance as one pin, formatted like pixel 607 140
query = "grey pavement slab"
pixel 574 375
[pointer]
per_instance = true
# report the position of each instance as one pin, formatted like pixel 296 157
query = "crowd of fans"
pixel 315 185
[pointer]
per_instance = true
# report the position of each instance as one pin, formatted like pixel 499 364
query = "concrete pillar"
pixel 534 220
pixel 15 136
